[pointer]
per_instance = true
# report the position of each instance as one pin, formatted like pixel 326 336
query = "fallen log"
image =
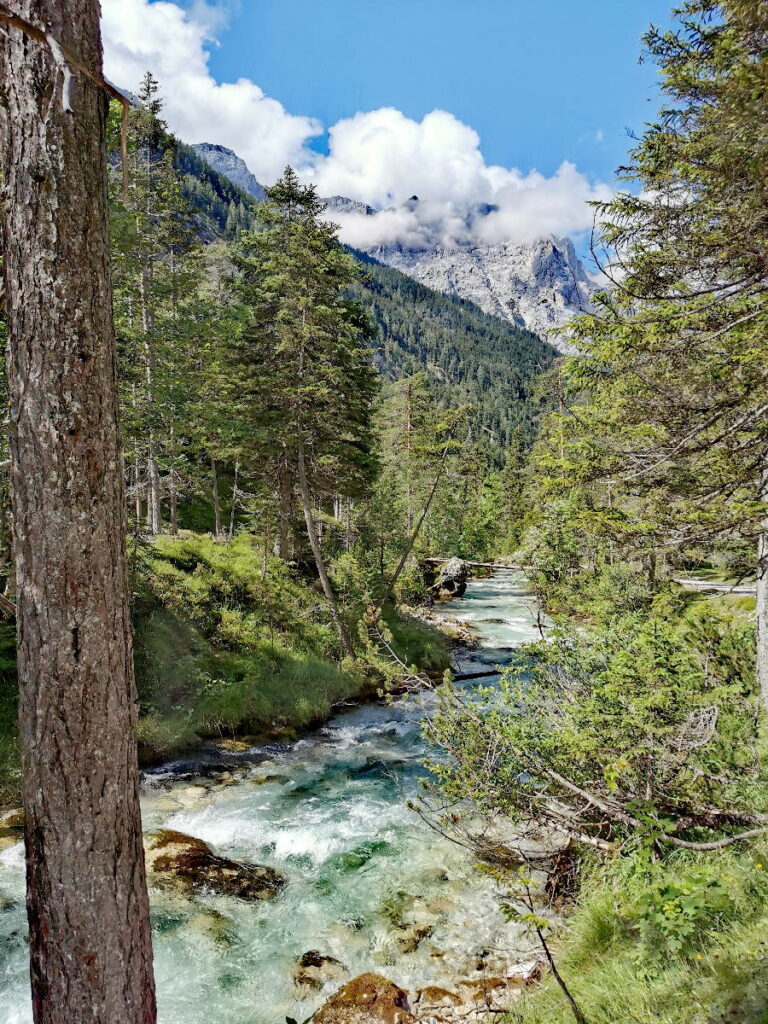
pixel 478 675
pixel 479 565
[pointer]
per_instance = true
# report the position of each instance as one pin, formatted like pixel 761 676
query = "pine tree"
pixel 672 385
pixel 310 381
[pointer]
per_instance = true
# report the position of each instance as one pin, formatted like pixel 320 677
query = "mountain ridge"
pixel 537 285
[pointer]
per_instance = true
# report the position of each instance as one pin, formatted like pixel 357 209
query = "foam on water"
pixel 331 814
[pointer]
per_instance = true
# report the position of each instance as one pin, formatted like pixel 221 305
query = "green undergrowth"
pixel 226 644
pixel 684 942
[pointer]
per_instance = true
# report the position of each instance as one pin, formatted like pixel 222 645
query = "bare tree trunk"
pixel 233 510
pixel 153 474
pixel 761 608
pixel 216 499
pixel 420 523
pixel 285 495
pixel 173 500
pixel 89 944
pixel 137 495
pixel 314 542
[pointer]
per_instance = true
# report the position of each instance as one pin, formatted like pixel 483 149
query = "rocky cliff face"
pixel 228 163
pixel 539 285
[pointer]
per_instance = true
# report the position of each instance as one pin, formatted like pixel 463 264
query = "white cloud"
pixel 379 157
pixel 171 42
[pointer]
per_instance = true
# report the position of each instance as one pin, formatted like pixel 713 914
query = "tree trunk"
pixel 419 524
pixel 173 501
pixel 153 474
pixel 761 607
pixel 216 499
pixel 89 943
pixel 314 542
pixel 283 541
pixel 233 510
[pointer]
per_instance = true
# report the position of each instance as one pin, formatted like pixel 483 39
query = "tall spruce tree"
pixel 305 350
pixel 673 378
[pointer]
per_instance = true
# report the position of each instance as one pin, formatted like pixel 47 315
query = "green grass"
pixel 417 643
pixel 624 968
pixel 223 647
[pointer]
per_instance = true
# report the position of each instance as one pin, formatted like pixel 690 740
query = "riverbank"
pixel 367 883
pixel 228 644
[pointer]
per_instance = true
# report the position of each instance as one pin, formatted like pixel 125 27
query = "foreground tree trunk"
pixel 87 902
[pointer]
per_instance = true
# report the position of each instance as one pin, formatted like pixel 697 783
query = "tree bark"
pixel 90 948
pixel 154 523
pixel 314 543
pixel 233 510
pixel 283 541
pixel 216 499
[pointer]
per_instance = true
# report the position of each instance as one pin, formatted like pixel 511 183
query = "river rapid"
pixel 367 881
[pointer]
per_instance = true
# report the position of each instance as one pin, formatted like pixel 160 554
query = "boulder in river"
pixel 12 822
pixel 181 862
pixel 367 999
pixel 313 970
pixel 452 579
pixel 471 1001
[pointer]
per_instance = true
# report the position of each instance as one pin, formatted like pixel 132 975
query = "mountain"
pixel 226 162
pixel 539 285
pixel 222 207
pixel 470 355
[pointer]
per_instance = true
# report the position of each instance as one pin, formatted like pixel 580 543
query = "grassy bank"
pixel 230 643
pixel 226 644
pixel 680 943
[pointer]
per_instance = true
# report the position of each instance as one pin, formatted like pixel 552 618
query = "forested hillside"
pixel 470 356
pixel 297 433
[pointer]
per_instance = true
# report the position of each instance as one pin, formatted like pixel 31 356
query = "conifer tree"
pixel 310 382
pixel 672 384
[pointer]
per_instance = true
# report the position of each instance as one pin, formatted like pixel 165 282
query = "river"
pixel 368 882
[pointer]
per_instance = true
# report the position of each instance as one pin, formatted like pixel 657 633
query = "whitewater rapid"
pixel 331 813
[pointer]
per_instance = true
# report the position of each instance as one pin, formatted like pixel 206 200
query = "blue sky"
pixel 506 117
pixel 539 81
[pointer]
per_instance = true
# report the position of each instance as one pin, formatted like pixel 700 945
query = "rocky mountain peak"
pixel 539 285
pixel 227 162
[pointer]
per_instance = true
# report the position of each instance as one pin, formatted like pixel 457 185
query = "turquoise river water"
pixel 330 812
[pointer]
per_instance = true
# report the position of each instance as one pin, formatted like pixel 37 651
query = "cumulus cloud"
pixel 171 42
pixel 380 158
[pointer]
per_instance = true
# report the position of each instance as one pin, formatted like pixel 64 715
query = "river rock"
pixel 452 579
pixel 471 1001
pixel 500 855
pixel 313 970
pixel 12 824
pixel 367 999
pixel 412 935
pixel 181 862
